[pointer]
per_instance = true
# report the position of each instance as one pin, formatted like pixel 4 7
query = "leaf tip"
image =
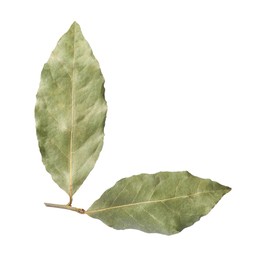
pixel 228 189
pixel 74 25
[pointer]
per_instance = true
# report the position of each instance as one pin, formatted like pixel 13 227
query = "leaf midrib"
pixel 89 212
pixel 72 123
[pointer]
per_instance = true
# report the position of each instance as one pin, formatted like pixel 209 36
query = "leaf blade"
pixel 166 203
pixel 70 111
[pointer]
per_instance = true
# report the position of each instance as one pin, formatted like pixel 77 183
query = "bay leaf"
pixel 70 111
pixel 165 202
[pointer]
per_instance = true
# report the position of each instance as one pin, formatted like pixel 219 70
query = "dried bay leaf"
pixel 165 202
pixel 70 111
pixel 70 116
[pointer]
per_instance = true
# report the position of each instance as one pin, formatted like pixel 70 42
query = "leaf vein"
pixel 72 123
pixel 137 222
pixel 119 194
pixel 163 202
pixel 47 110
pixel 65 155
pixel 87 161
pixel 55 57
pixel 137 193
pixel 153 217
pixel 148 202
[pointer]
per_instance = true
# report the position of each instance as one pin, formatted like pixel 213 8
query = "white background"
pixel 182 86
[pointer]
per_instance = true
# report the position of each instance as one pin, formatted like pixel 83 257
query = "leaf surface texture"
pixel 165 202
pixel 70 111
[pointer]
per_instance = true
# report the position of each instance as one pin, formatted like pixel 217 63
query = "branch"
pixel 68 207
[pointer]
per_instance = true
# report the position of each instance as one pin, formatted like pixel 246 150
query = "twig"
pixel 68 207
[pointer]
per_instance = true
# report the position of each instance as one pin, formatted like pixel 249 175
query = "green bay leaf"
pixel 165 202
pixel 70 111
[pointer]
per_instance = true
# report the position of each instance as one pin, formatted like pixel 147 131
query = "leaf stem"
pixel 68 207
pixel 70 202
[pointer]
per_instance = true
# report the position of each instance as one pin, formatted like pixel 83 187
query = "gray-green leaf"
pixel 70 111
pixel 165 202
